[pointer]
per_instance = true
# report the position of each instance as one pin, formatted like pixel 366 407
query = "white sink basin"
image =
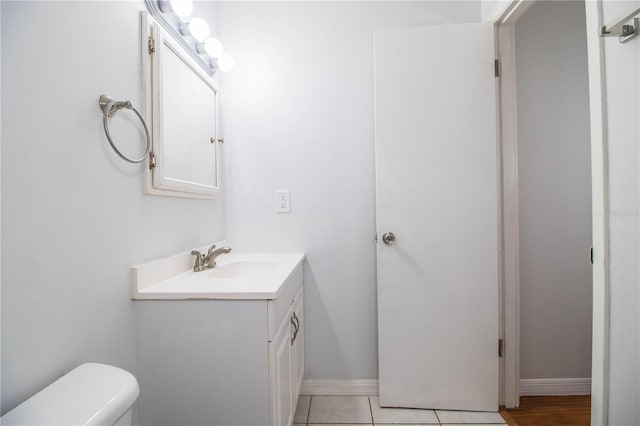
pixel 240 268
pixel 236 276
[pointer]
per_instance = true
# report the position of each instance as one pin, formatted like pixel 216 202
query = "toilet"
pixel 90 394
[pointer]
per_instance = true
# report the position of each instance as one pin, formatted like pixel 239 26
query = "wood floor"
pixel 550 410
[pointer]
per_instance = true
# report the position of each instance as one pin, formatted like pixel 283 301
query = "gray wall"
pixel 622 85
pixel 555 191
pixel 298 115
pixel 74 218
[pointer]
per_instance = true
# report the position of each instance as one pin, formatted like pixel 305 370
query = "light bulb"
pixel 225 63
pixel 182 8
pixel 199 29
pixel 213 47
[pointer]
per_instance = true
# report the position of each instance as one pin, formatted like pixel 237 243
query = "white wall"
pixel 74 218
pixel 298 115
pixel 622 85
pixel 493 9
pixel 554 191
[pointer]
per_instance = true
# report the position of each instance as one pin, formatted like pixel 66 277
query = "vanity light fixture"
pixel 225 63
pixel 191 33
pixel 213 47
pixel 182 8
pixel 197 28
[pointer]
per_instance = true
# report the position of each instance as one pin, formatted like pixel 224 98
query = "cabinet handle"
pixel 295 317
pixel 296 327
pixel 295 330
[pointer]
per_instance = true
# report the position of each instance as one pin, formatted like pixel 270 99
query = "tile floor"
pixel 365 410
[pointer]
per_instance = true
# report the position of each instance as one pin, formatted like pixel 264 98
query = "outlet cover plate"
pixel 283 201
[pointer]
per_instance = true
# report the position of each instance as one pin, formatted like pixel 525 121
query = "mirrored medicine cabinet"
pixel 181 106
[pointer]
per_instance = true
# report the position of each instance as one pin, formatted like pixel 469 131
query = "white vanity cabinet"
pixel 222 361
pixel 286 363
pixel 298 349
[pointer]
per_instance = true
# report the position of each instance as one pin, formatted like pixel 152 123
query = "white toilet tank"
pixel 91 394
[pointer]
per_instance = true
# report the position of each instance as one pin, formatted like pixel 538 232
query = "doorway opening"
pixel 547 200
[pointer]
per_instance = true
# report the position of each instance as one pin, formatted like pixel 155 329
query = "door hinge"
pixel 151 44
pixel 501 348
pixel 591 254
pixel 152 161
pixel 496 67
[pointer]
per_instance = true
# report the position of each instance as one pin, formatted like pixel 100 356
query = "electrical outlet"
pixel 283 201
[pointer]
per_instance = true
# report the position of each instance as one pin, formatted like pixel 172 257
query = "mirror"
pixel 183 112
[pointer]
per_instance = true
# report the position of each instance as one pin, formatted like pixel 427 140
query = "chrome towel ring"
pixel 109 108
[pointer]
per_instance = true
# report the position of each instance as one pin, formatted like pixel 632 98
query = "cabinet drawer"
pixel 277 308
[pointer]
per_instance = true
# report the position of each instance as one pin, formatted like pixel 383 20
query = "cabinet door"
pixel 280 372
pixel 297 347
pixel 183 117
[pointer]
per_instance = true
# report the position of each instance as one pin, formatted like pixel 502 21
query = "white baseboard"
pixel 339 387
pixel 540 387
pixel 528 387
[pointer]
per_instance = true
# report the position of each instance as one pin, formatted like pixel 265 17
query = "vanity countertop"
pixel 236 276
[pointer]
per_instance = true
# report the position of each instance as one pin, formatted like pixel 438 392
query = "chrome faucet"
pixel 208 261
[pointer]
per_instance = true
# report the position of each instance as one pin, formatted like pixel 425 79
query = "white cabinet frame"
pixel 286 363
pixel 154 41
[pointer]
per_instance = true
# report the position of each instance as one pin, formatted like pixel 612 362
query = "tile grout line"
pixel 373 422
pixel 309 410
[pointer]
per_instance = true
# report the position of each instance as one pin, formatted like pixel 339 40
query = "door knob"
pixel 388 238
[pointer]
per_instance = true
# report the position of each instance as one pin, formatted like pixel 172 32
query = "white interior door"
pixel 437 192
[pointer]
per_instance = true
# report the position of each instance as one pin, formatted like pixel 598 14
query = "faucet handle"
pixel 199 257
pixel 211 249
pixel 199 260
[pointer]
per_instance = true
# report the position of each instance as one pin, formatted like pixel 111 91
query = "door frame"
pixel 510 13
